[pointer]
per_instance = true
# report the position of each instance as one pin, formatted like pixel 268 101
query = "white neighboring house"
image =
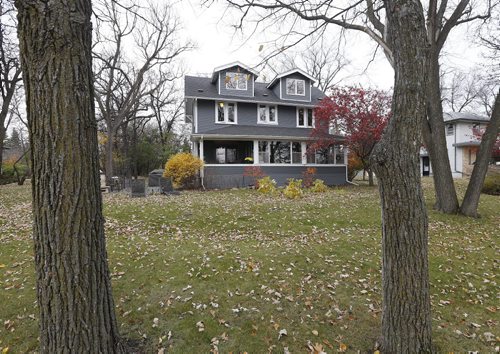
pixel 461 143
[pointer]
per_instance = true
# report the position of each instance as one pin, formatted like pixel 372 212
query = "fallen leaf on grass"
pixel 201 326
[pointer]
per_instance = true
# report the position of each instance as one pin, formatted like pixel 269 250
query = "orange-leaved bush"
pixel 182 167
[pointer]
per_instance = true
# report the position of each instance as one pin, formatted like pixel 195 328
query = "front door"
pixel 425 166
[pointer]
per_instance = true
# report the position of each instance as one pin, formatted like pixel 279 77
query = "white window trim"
pixel 303 152
pixel 235 88
pixel 295 93
pixel 306 114
pixel 267 122
pixel 226 121
pixel 452 127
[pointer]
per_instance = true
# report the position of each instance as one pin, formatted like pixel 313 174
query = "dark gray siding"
pixel 295 97
pixel 249 92
pixel 222 177
pixel 246 114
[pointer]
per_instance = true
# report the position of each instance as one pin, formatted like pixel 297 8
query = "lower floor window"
pixel 274 152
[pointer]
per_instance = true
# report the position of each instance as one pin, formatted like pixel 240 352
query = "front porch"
pixel 226 160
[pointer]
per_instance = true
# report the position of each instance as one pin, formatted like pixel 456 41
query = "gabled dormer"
pixel 293 85
pixel 235 79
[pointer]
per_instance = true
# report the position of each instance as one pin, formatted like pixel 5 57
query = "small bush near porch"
pixel 232 269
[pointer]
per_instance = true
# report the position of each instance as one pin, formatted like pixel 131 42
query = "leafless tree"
pixel 369 17
pixel 133 45
pixel 471 199
pixel 324 61
pixel 10 69
pixel 167 106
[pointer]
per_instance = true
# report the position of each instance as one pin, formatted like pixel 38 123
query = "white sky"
pixel 217 44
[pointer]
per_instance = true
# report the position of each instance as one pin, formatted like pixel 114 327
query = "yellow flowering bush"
pixel 267 185
pixel 182 167
pixel 294 189
pixel 319 186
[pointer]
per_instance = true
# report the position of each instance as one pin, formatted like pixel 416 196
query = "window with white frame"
pixel 274 152
pixel 225 112
pixel 305 117
pixel 449 129
pixel 267 114
pixel 295 87
pixel 236 81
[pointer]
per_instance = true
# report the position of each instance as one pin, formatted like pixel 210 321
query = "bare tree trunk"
pixel 2 137
pixel 73 283
pixel 370 177
pixel 471 199
pixel 435 141
pixel 108 154
pixel 406 319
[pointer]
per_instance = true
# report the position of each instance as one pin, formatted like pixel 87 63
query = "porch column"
pixel 202 155
pixel 345 155
pixel 195 149
pixel 303 148
pixel 335 154
pixel 255 152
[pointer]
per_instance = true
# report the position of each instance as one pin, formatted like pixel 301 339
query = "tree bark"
pixel 435 141
pixel 2 137
pixel 471 199
pixel 370 177
pixel 73 283
pixel 108 152
pixel 406 318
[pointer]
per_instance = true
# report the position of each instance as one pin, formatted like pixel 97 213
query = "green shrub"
pixel 267 185
pixel 294 189
pixel 491 184
pixel 319 186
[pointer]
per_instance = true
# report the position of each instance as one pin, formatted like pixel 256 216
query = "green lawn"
pixel 245 266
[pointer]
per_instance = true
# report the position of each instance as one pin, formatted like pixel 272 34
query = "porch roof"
pixel 255 132
pixel 468 143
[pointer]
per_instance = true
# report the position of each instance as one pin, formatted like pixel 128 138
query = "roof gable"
pixel 290 72
pixel 218 69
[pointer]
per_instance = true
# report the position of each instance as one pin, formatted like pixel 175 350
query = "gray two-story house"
pixel 238 121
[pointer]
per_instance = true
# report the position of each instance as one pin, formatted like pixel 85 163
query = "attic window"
pixel 236 81
pixel 200 90
pixel 295 87
pixel 265 94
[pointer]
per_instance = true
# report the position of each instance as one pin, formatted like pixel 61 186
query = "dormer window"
pixel 295 87
pixel 236 81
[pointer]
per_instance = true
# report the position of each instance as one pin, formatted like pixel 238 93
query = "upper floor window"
pixel 236 81
pixel 226 112
pixel 305 117
pixel 449 129
pixel 295 87
pixel 267 114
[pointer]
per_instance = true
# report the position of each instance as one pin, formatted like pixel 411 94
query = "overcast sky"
pixel 217 44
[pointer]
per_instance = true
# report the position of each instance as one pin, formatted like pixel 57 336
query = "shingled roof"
pixel 202 87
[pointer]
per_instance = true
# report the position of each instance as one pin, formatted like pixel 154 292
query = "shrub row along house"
pixel 238 121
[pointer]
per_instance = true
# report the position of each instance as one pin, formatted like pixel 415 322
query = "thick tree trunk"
pixel 2 137
pixel 108 154
pixel 471 199
pixel 435 141
pixel 406 318
pixel 73 282
pixel 370 177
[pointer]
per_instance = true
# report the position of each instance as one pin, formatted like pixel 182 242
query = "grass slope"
pixel 243 267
